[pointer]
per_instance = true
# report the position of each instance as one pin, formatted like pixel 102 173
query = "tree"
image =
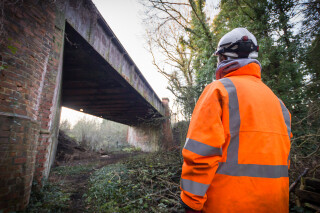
pixel 179 32
pixel 97 135
pixel 65 126
pixel 203 43
pixel 310 34
pixel 307 144
pixel 113 135
pixel 85 132
pixel 290 65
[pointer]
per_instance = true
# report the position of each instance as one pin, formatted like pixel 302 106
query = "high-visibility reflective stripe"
pixel 194 187
pixel 231 166
pixel 234 120
pixel 287 120
pixel 286 117
pixel 201 148
pixel 253 170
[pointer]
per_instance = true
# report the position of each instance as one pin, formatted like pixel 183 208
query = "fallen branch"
pixel 168 182
pixel 312 153
pixel 315 168
pixel 305 136
pixel 293 185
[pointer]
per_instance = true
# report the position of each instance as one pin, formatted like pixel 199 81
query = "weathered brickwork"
pixel 167 138
pixel 151 137
pixel 145 137
pixel 18 142
pixel 28 97
pixel 49 110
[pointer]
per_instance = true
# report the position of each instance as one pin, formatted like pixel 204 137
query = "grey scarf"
pixel 230 65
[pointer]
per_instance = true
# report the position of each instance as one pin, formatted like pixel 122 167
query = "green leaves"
pixel 50 198
pixel 13 49
pixel 72 170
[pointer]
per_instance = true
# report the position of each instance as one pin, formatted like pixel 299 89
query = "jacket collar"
pixel 236 67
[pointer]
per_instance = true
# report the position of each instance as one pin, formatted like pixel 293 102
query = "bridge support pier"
pixel 145 136
pixel 153 136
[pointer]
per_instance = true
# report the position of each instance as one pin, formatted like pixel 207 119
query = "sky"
pixel 125 19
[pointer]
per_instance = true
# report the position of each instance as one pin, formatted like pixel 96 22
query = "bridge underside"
pixel 91 85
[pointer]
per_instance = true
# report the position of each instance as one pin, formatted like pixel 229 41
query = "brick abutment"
pixel 30 54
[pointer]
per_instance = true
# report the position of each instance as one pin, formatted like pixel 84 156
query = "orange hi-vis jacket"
pixel 236 156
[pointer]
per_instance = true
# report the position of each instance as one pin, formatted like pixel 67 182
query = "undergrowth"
pixel 72 170
pixel 148 183
pixel 50 198
pixel 54 196
pixel 144 183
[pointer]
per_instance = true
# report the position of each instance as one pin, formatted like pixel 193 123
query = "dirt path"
pixel 76 183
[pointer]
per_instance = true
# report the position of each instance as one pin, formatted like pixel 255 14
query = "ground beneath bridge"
pixel 68 182
pixel 73 177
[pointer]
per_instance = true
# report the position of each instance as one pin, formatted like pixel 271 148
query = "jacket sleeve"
pixel 203 147
pixel 287 120
pixel 291 136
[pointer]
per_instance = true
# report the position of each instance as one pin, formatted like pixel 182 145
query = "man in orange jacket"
pixel 236 156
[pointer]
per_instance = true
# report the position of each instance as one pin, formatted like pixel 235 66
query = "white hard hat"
pixel 238 43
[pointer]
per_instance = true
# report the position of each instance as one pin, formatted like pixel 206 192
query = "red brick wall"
pixel 18 140
pixel 29 96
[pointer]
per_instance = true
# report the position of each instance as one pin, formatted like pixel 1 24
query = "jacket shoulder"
pixel 215 85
